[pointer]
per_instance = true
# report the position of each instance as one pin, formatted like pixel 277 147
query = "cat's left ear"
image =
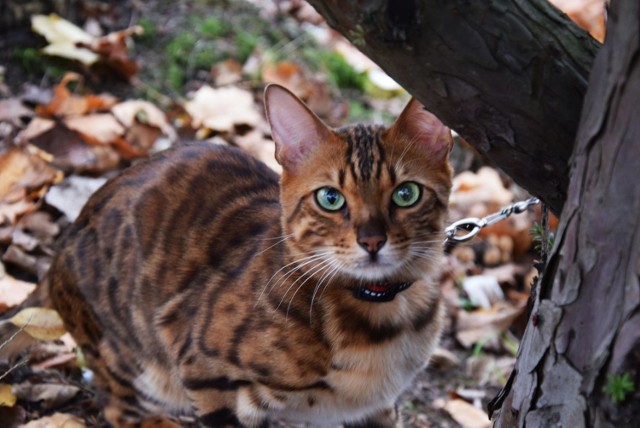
pixel 296 130
pixel 422 127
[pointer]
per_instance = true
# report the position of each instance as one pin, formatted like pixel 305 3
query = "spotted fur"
pixel 199 283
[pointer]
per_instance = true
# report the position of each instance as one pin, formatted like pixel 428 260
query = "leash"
pixel 471 226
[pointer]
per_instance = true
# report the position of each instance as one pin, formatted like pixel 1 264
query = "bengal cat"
pixel 199 283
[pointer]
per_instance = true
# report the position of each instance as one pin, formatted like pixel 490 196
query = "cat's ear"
pixel 420 126
pixel 296 130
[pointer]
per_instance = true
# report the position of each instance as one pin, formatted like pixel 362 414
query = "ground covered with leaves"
pixel 79 104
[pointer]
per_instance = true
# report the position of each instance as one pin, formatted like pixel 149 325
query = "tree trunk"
pixel 585 326
pixel 507 75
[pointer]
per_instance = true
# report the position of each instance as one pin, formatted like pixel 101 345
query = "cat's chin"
pixel 374 271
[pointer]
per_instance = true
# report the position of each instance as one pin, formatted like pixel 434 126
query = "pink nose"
pixel 372 243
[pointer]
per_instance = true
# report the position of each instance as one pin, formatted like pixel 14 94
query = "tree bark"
pixel 508 76
pixel 585 325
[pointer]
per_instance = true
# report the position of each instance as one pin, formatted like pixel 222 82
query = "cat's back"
pixel 167 226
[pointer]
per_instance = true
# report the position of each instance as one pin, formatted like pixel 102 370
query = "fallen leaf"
pixel 465 414
pixel 64 103
pixel 144 123
pixel 10 212
pixel 20 258
pixel 113 50
pixel 63 37
pixel 313 92
pixel 40 225
pixel 588 14
pixel 487 369
pixel 57 420
pixel 70 196
pixel 13 291
pixel 443 359
pixel 7 397
pixel 97 128
pixel 483 290
pixel 22 171
pixel 36 127
pixel 227 72
pixel 71 151
pixel 40 323
pixel 480 325
pixel 13 110
pixel 222 109
pixel 256 145
pixel 139 111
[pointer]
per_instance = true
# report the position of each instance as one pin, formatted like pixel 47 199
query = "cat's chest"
pixel 362 381
pixel 378 373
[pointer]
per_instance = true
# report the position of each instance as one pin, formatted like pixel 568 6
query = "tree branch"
pixel 509 76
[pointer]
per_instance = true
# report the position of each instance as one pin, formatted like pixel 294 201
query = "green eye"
pixel 329 198
pixel 406 194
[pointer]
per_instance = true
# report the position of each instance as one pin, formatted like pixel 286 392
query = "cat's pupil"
pixel 405 194
pixel 332 196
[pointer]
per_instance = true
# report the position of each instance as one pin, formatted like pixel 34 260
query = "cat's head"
pixel 364 202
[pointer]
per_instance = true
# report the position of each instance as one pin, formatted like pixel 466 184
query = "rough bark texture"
pixel 586 322
pixel 507 75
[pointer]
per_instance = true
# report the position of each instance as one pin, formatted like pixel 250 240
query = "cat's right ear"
pixel 296 130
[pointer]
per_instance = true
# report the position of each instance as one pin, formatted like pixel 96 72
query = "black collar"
pixel 379 292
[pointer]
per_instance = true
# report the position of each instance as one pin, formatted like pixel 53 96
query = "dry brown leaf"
pixel 13 291
pixel 70 196
pixel 36 127
pixel 289 75
pixel 259 147
pixel 64 103
pixel 114 51
pixel 13 110
pixel 10 212
pixel 465 414
pixel 313 92
pixel 71 151
pixel 139 111
pixel 40 323
pixel 145 123
pixel 22 171
pixel 588 14
pixel 20 258
pixel 57 420
pixel 40 225
pixel 478 194
pixel 223 109
pixel 487 369
pixel 481 325
pixel 97 128
pixel 227 72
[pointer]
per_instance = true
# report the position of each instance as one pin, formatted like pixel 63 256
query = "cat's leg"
pixel 387 418
pixel 220 403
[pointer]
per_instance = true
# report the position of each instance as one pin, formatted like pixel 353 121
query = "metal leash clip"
pixel 473 225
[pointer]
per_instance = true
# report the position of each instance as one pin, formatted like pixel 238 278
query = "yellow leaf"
pixel 41 323
pixel 7 399
pixel 57 420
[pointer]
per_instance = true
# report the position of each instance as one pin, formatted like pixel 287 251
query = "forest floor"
pixel 196 70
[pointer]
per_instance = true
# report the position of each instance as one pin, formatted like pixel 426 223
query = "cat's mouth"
pixel 380 292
